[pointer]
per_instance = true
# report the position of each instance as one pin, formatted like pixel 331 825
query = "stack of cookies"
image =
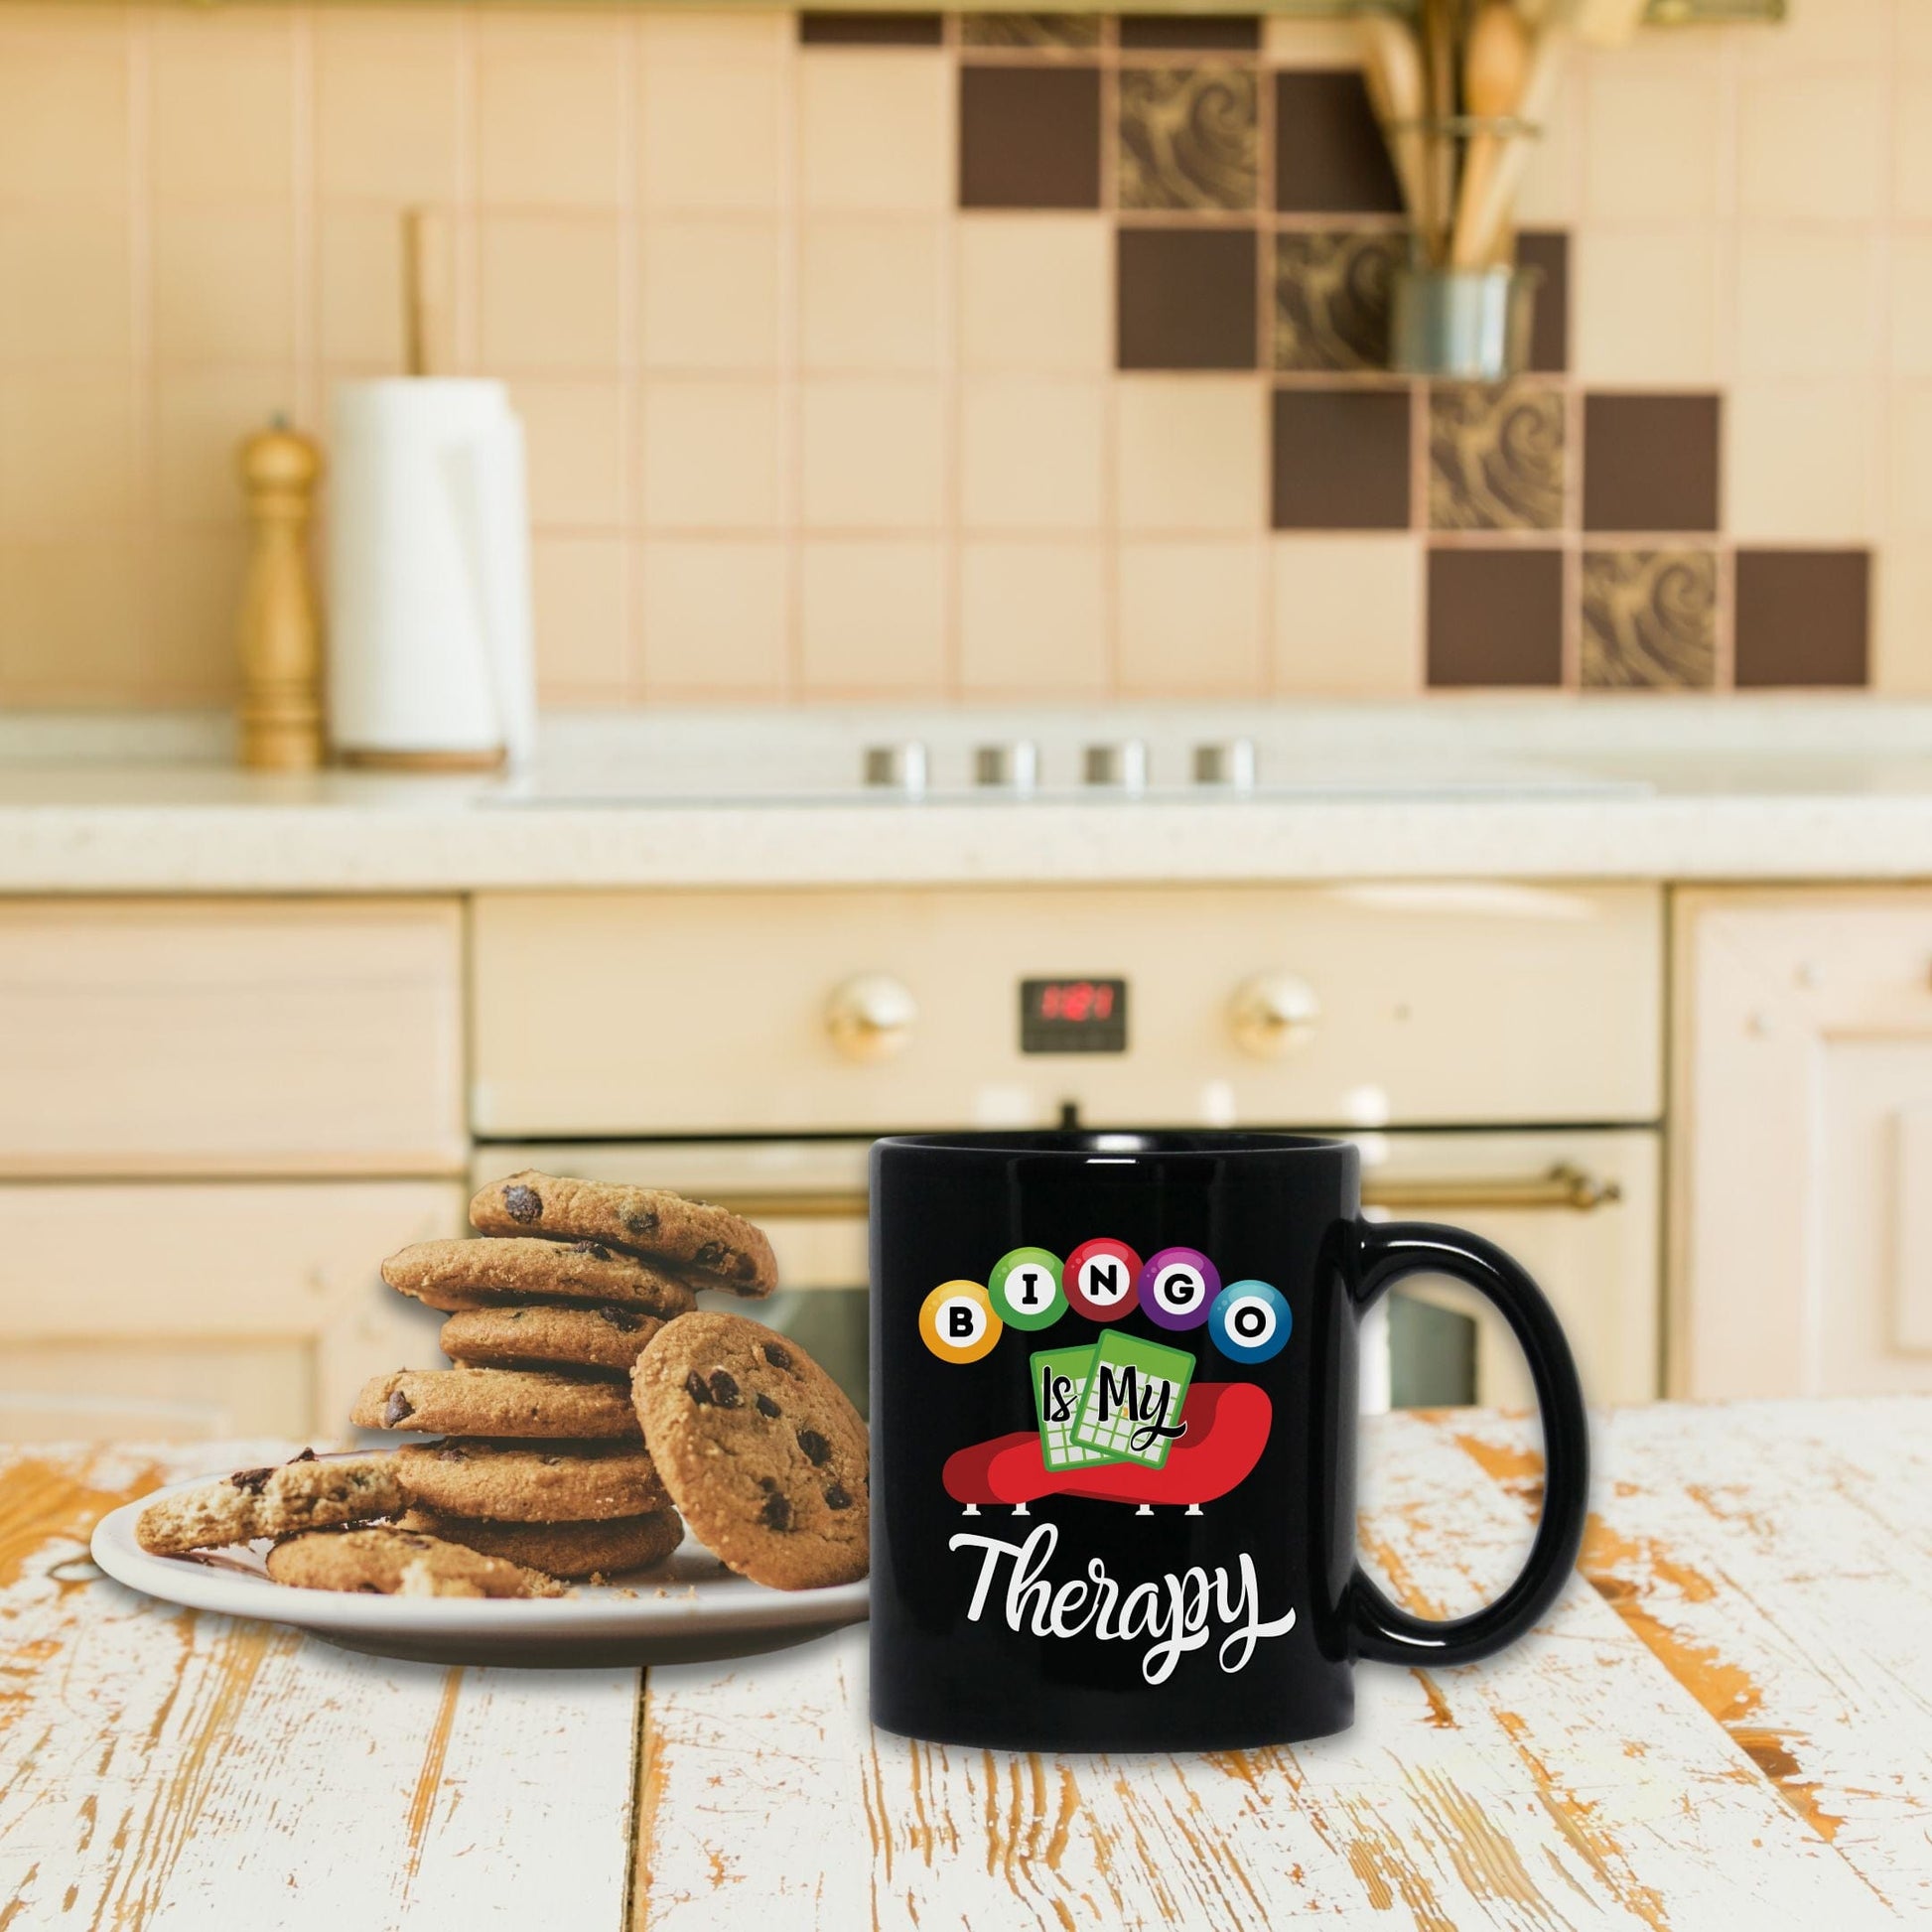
pixel 541 1461
pixel 587 1407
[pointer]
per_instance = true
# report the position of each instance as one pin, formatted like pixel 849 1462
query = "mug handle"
pixel 1381 1630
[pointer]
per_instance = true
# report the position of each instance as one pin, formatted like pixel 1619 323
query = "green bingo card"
pixel 1060 1383
pixel 1133 1394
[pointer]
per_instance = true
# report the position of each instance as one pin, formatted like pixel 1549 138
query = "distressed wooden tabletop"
pixel 1726 1723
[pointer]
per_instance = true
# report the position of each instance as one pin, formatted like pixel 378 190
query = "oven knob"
pixel 1274 1013
pixel 870 1017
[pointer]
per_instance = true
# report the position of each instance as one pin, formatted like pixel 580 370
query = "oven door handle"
pixel 1562 1186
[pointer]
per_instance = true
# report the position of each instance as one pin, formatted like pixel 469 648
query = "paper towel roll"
pixel 430 652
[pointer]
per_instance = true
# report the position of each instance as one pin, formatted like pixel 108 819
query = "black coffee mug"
pixel 1113 1422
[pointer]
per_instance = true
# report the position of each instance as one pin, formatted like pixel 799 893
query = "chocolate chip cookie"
pixel 538 1483
pixel 712 1246
pixel 396 1561
pixel 474 1274
pixel 604 1340
pixel 599 1549
pixel 762 1451
pixel 494 1402
pixel 311 1492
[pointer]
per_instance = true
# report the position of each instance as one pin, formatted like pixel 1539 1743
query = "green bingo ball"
pixel 1026 1288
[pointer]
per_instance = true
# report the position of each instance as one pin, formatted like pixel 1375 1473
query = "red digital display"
pixel 1074 1016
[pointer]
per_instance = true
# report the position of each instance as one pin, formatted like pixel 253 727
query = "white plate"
pixel 686 1610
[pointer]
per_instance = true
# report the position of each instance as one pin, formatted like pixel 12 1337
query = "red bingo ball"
pixel 1102 1280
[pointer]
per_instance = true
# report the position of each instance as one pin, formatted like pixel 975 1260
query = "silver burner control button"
pixel 1122 765
pixel 1007 768
pixel 897 767
pixel 1227 762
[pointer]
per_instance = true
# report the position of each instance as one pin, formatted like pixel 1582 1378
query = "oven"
pixel 1494 1051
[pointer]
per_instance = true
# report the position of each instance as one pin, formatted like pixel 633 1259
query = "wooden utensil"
pixel 1489 216
pixel 1496 66
pixel 1438 72
pixel 1392 72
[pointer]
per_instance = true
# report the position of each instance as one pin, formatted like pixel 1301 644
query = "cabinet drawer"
pixel 237 1037
pixel 690 1013
pixel 251 1305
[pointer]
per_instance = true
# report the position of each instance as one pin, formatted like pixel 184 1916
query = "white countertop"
pixel 1643 788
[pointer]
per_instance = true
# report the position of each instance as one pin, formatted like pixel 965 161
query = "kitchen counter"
pixel 1723 1723
pixel 1640 790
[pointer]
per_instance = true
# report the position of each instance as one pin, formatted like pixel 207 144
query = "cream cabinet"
pixel 1801 1221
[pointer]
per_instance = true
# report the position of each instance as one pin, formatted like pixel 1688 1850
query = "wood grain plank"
pixel 164 1768
pixel 1570 1783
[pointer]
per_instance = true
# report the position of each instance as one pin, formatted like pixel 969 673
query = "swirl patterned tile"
pixel 1650 619
pixel 1496 457
pixel 1030 30
pixel 1331 299
pixel 1190 137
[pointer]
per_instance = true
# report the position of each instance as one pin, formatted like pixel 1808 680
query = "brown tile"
pixel 1495 617
pixel 1650 619
pixel 1030 137
pixel 1803 617
pixel 1329 152
pixel 870 29
pixel 1650 463
pixel 1495 457
pixel 1331 299
pixel 1547 250
pixel 1187 298
pixel 1190 137
pixel 1232 32
pixel 1029 29
pixel 1340 460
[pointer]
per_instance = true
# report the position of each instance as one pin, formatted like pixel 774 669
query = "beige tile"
pixel 1644 306
pixel 1191 619
pixel 225 284
pixel 713 133
pixel 1902 643
pixel 711 294
pixel 1909 424
pixel 875 130
pixel 1913 144
pixel 1816 32
pixel 716 619
pixel 1032 620
pixel 358 284
pixel 872 454
pixel 579 586
pixel 714 455
pixel 871 619
pixel 1191 453
pixel 221 97
pixel 198 579
pixel 1036 293
pixel 550 108
pixel 1348 616
pixel 63 111
pixel 1650 144
pixel 1798 461
pixel 1033 452
pixel 682 34
pixel 1911 305
pixel 1783 326
pixel 576 435
pixel 549 293
pixel 66 285
pixel 73 620
pixel 388 91
pixel 1811 146
pixel 201 418
pixel 1327 44
pixel 871 293
pixel 68 451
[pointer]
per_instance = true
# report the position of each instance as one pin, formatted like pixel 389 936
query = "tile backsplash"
pixel 995 356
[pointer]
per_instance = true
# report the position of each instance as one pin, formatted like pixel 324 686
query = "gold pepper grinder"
pixel 280 633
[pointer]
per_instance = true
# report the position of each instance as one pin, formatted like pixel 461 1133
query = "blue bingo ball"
pixel 1250 1321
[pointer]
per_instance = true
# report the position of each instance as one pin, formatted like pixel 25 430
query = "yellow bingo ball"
pixel 957 1322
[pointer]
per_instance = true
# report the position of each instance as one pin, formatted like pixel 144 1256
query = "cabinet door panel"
pixel 251 1307
pixel 231 1036
pixel 1802 1133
